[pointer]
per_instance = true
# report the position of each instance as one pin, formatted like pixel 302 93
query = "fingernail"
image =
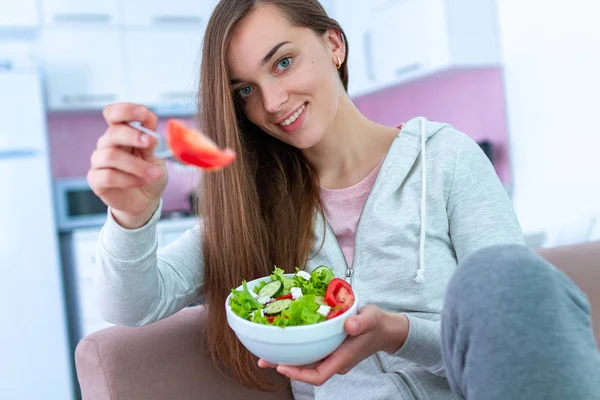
pixel 153 172
pixel 144 139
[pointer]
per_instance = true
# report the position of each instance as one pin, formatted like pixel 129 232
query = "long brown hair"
pixel 259 211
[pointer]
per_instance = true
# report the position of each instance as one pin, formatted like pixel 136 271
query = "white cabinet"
pixel 80 12
pixel 398 48
pixel 84 248
pixel 395 41
pixel 361 64
pixel 359 38
pixel 83 68
pixel 163 66
pixel 21 113
pixel 330 7
pixel 18 14
pixel 167 13
pixel 83 253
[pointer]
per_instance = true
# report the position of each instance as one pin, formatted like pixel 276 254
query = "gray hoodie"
pixel 420 219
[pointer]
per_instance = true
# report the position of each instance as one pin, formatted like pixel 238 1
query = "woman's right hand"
pixel 124 172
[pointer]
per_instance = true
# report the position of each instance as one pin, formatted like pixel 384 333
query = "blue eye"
pixel 245 91
pixel 284 63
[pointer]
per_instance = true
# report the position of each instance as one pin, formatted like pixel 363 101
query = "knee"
pixel 502 270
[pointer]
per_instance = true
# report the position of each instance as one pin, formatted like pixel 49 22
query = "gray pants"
pixel 516 328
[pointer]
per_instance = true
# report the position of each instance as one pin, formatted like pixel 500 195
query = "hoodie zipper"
pixel 350 271
pixel 349 275
pixel 407 384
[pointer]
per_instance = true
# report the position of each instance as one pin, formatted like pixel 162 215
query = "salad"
pixel 303 299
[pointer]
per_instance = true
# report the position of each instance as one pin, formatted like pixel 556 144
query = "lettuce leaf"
pixel 258 318
pixel 242 303
pixel 278 275
pixel 317 284
pixel 301 312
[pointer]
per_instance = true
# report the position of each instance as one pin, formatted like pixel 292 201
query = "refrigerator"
pixel 35 362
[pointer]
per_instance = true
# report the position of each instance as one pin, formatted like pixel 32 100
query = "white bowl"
pixel 292 345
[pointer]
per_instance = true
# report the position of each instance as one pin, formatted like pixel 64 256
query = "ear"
pixel 336 44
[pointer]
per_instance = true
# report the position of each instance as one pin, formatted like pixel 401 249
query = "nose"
pixel 274 97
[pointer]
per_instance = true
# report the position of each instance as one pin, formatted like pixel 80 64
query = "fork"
pixel 161 150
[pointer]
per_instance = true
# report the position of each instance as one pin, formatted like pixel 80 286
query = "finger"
pixel 126 136
pixel 102 180
pixel 265 364
pixel 126 112
pixel 339 362
pixel 364 321
pixel 315 374
pixel 121 160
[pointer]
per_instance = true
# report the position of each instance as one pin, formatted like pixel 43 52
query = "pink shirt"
pixel 342 208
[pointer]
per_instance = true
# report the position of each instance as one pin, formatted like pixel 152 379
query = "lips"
pixel 194 148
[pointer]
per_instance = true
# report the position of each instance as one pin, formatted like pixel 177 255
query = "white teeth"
pixel 294 117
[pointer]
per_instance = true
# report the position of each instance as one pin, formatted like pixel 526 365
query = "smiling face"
pixel 285 77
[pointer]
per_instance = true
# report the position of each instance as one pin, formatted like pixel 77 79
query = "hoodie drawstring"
pixel 420 278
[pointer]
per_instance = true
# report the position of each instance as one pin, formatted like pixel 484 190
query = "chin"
pixel 305 141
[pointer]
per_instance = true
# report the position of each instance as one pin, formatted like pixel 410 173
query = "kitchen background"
pixel 519 76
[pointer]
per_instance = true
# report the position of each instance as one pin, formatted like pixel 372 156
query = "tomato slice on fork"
pixel 193 147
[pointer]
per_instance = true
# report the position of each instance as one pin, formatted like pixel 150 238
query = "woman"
pixel 394 209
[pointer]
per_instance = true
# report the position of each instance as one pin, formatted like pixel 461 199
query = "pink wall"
pixel 472 100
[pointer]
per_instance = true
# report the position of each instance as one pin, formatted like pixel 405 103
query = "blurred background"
pixel 519 76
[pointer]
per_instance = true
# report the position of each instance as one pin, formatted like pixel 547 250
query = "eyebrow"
pixel 265 59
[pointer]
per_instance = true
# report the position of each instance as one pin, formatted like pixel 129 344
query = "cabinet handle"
pixel 177 19
pixel 95 18
pixel 367 38
pixel 177 95
pixel 88 98
pixel 6 65
pixel 408 68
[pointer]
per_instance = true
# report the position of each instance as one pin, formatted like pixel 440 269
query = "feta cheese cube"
pixel 303 274
pixel 324 310
pixel 296 293
pixel 264 300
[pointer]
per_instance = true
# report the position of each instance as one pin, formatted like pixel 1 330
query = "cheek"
pixel 253 110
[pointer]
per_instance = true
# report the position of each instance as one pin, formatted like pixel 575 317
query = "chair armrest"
pixel 163 360
pixel 581 262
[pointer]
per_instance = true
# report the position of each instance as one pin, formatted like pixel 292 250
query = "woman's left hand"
pixel 371 330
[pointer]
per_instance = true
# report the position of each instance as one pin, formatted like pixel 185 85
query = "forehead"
pixel 256 35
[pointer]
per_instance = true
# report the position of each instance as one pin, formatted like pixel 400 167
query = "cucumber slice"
pixel 277 306
pixel 271 289
pixel 320 300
